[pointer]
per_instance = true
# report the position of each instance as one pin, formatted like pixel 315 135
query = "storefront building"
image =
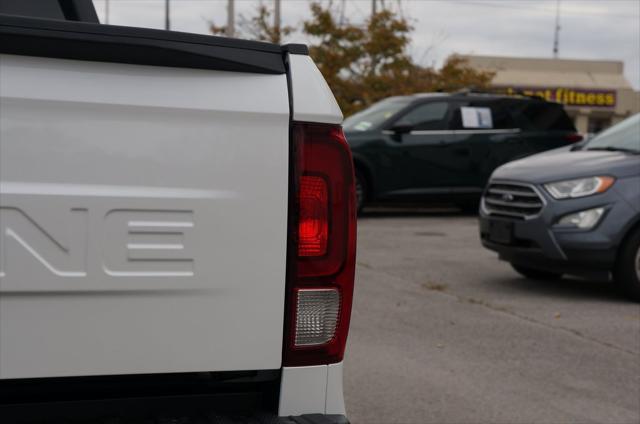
pixel 595 93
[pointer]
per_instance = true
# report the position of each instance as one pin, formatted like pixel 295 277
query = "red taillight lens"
pixel 313 224
pixel 322 243
pixel 573 138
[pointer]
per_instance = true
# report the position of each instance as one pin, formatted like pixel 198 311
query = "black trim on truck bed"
pixel 142 46
pixel 132 398
pixel 228 397
pixel 314 419
pixel 300 49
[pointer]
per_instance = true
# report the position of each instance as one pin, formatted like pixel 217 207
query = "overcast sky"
pixel 590 29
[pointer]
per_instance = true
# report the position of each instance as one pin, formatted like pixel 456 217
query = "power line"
pixel 556 32
pixel 533 7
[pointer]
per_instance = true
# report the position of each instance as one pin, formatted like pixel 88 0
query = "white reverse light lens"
pixel 579 187
pixel 583 219
pixel 316 316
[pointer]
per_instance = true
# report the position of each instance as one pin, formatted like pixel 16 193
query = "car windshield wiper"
pixel 614 149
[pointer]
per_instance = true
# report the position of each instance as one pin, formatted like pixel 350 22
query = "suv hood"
pixel 563 165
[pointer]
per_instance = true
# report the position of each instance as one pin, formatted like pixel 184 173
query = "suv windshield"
pixel 624 137
pixel 375 115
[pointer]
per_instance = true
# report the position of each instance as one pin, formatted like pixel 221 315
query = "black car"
pixel 444 147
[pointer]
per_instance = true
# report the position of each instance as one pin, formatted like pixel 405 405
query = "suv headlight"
pixel 579 187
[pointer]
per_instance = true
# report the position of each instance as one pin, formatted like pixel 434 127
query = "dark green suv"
pixel 444 147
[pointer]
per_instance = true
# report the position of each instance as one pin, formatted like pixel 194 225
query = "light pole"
pixel 230 19
pixel 276 18
pixel 167 19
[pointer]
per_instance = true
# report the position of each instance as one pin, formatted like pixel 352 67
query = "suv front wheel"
pixel 627 270
pixel 361 191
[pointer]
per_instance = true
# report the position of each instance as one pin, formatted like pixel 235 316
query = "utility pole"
pixel 167 19
pixel 231 30
pixel 556 36
pixel 106 12
pixel 373 7
pixel 276 19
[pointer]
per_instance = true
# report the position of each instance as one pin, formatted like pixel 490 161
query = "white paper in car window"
pixel 476 117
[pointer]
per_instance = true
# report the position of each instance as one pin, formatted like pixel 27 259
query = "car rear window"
pixel 526 115
pixel 542 116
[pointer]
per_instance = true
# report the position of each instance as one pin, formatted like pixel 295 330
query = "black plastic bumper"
pixel 242 397
pixel 315 419
pixel 534 245
pixel 177 419
pixel 578 262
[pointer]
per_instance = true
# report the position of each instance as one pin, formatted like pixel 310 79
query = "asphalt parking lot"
pixel 442 332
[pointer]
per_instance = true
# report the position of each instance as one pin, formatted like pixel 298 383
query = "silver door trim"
pixel 456 132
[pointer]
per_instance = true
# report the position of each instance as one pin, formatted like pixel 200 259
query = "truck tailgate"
pixel 143 218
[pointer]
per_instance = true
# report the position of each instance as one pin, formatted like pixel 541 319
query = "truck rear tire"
pixel 627 269
pixel 535 274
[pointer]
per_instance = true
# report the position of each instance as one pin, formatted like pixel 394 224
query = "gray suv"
pixel 571 210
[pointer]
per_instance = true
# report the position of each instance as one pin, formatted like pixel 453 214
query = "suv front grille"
pixel 520 201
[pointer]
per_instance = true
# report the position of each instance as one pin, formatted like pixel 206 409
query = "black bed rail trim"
pixel 141 46
pixel 301 49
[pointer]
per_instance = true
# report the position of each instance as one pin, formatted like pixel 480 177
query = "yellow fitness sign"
pixel 569 96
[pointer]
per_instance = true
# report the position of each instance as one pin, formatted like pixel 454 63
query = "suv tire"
pixel 469 207
pixel 535 274
pixel 627 269
pixel 361 190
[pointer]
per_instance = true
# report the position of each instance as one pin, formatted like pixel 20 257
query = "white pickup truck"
pixel 177 226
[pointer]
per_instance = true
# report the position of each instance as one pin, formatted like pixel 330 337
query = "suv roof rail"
pixel 531 96
pixel 463 91
pixel 471 90
pixel 516 93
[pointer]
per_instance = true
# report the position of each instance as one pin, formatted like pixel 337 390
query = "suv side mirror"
pixel 400 128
